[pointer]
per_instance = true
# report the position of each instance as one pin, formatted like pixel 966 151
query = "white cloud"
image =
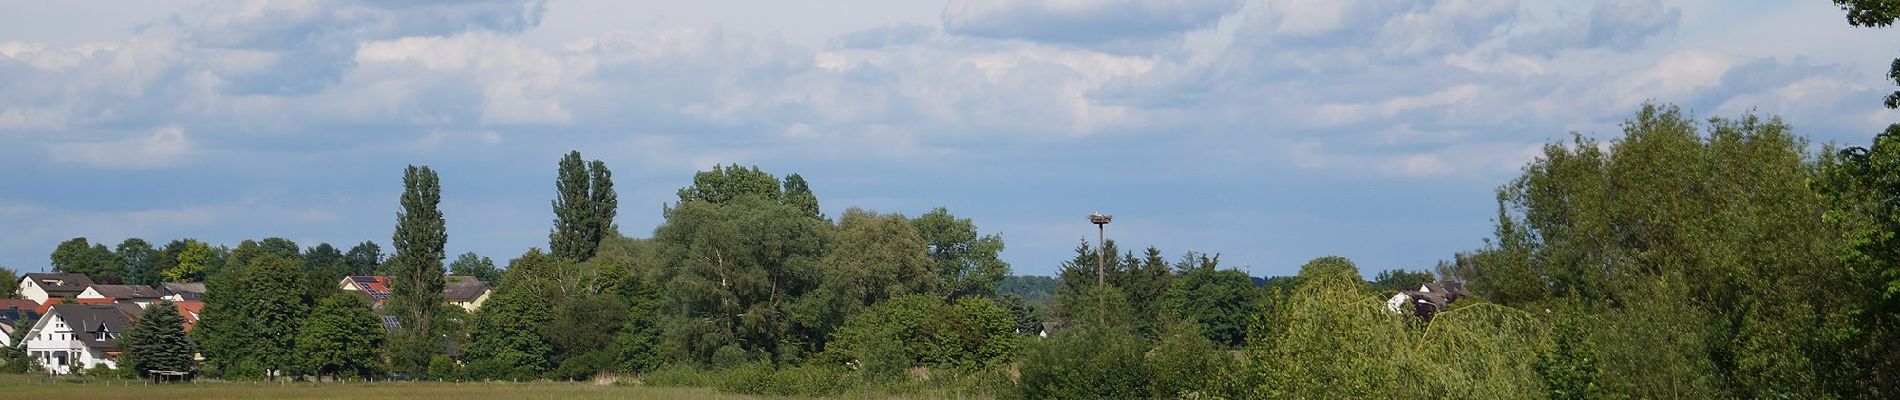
pixel 163 147
pixel 1080 20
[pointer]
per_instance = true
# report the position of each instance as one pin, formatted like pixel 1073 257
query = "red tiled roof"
pixel 107 300
pixel 22 304
pixel 190 309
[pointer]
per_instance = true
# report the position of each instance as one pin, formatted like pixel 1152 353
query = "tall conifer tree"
pixel 158 342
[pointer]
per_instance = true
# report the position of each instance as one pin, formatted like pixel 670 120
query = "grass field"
pixel 43 387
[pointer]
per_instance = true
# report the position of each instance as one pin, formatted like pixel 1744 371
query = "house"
pixel 464 291
pixel 375 289
pixel 1428 300
pixel 39 287
pixel 73 337
pixel 12 311
pixel 181 291
pixel 136 294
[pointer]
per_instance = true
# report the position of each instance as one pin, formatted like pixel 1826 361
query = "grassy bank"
pixel 42 387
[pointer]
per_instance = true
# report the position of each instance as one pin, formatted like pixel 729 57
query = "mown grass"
pixel 45 387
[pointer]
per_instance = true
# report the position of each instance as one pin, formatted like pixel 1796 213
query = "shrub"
pixel 677 375
pixel 441 368
pixel 806 380
pixel 1085 363
pixel 1185 360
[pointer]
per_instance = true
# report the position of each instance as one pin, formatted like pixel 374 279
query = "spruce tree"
pixel 416 269
pixel 158 342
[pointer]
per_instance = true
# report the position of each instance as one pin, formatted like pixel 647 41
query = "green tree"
pixel 1221 302
pixel 584 208
pixel 140 260
pixel 872 257
pixel 11 289
pixel 1732 208
pixel 416 270
pixel 341 338
pixel 323 267
pixel 724 184
pixel 966 263
pixel 192 261
pixel 157 342
pixel 365 259
pixel 798 195
pixel 1033 289
pixel 277 312
pixel 471 264
pixel 95 261
pixel 637 344
pixel 1393 280
pixel 733 269
pixel 506 338
pixel 582 333
pixel 252 314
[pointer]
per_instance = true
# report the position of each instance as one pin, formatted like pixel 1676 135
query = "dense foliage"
pixel 1697 258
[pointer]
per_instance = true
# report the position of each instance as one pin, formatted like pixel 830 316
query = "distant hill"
pixel 1039 290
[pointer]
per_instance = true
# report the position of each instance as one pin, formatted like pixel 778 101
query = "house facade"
pixel 39 287
pixel 465 292
pixel 73 337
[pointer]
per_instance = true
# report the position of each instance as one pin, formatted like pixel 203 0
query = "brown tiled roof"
pixel 462 288
pixel 61 284
pixel 127 292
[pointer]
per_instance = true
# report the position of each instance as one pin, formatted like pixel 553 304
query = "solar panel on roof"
pixel 364 279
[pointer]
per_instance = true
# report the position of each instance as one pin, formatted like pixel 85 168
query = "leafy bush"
pixel 1085 363
pixel 806 380
pixel 1185 361
pixel 441 368
pixel 917 330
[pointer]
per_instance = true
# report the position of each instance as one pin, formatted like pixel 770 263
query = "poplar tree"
pixel 416 269
pixel 584 207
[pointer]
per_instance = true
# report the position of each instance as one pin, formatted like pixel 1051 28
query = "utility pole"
pixel 1101 243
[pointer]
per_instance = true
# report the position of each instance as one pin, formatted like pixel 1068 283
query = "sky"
pixel 1270 132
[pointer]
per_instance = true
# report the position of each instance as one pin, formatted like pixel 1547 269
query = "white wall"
pixel 31 291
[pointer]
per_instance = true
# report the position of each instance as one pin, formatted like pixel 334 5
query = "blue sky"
pixel 1271 132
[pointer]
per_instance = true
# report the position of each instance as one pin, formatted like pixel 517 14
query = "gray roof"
pixel 61 284
pixel 181 287
pixel 127 291
pixel 462 288
pixel 90 321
